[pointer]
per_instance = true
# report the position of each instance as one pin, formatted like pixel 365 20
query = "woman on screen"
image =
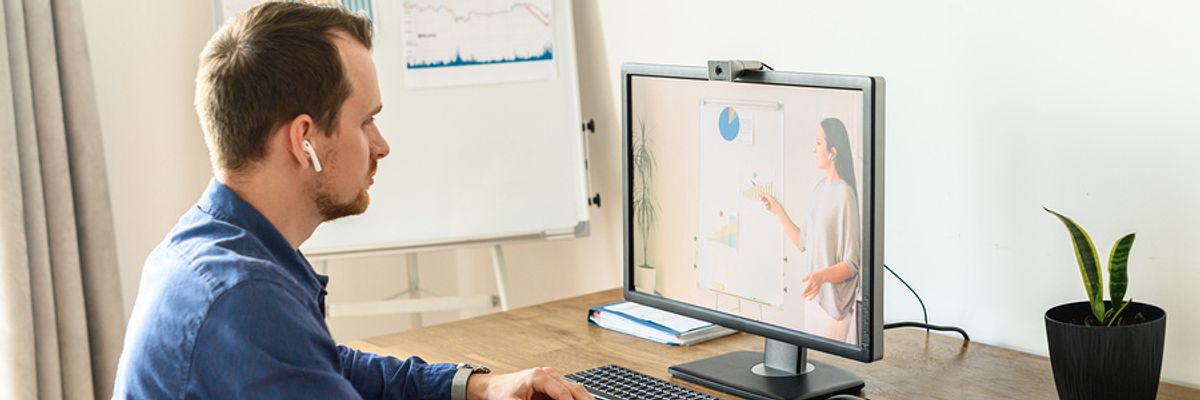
pixel 830 234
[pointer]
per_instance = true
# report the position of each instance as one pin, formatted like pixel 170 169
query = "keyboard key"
pixel 618 383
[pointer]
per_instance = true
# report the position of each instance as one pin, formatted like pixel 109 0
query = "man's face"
pixel 350 155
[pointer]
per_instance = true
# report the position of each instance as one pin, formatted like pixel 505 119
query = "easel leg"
pixel 499 268
pixel 414 286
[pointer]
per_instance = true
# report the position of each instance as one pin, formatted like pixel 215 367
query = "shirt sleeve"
pixel 377 376
pixel 851 232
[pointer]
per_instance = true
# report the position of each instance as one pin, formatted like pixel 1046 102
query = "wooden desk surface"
pixel 915 365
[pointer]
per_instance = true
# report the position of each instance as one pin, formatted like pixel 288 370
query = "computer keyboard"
pixel 612 382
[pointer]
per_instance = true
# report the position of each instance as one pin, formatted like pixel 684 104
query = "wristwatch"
pixel 458 386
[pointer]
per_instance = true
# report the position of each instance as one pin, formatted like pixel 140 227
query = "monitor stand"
pixel 782 372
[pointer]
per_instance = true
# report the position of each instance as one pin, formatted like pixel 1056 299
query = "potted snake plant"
pixel 1104 349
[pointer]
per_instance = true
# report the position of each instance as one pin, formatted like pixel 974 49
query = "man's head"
pixel 281 74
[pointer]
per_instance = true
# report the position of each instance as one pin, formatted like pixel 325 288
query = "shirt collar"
pixel 222 203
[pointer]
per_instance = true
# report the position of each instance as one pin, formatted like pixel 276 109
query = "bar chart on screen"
pixel 474 42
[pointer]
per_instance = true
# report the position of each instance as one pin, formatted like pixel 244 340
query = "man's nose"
pixel 380 147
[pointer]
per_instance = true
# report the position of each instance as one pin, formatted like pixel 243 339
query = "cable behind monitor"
pixel 924 312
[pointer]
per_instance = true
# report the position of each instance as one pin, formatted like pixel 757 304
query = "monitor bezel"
pixel 871 329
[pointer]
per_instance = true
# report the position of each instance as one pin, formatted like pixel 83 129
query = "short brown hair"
pixel 268 65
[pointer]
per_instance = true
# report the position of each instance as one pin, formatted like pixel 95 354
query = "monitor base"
pixel 732 373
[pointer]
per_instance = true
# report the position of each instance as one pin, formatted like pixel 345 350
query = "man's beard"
pixel 330 209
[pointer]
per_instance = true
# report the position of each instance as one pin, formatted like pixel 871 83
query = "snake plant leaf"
pixel 1118 280
pixel 1089 264
pixel 1117 315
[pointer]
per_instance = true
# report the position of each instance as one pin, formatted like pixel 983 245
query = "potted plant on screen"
pixel 1104 349
pixel 643 206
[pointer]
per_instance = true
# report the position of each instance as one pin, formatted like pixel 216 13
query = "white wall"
pixel 994 109
pixel 144 57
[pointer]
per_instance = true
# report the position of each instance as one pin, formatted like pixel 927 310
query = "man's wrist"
pixel 466 376
pixel 477 386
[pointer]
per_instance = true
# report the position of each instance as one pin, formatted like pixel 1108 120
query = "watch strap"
pixel 458 385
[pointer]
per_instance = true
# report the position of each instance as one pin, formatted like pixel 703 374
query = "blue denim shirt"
pixel 228 309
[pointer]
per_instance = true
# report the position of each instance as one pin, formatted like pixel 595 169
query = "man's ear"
pixel 298 130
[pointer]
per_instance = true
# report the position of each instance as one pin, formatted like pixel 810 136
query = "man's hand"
pixel 536 383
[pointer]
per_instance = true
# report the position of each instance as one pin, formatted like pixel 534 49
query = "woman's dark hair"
pixel 836 138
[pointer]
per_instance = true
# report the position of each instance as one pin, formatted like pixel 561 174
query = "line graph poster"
pixel 474 42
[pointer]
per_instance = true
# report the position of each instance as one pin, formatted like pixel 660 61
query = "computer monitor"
pixel 757 204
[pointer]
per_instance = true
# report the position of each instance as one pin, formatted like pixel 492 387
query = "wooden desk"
pixel 916 365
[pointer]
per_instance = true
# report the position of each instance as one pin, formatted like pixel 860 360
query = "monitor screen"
pixel 747 202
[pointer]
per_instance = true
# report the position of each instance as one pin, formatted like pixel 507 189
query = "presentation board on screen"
pixel 741 157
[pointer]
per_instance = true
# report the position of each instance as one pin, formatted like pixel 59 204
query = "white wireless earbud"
pixel 312 155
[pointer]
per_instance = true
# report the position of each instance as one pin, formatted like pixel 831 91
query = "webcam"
pixel 730 70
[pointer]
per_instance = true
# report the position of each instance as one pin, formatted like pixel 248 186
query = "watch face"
pixel 476 368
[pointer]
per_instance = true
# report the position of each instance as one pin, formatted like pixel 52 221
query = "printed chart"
pixel 472 42
pixel 741 248
pixel 728 233
pixel 229 8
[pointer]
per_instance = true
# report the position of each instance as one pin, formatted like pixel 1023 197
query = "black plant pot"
pixel 1097 362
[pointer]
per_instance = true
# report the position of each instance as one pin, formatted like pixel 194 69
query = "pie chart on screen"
pixel 729 124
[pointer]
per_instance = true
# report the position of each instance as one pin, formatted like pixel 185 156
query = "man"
pixel 227 306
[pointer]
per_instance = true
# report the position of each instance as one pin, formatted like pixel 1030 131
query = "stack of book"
pixel 654 324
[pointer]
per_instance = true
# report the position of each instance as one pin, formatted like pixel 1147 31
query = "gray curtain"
pixel 60 303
